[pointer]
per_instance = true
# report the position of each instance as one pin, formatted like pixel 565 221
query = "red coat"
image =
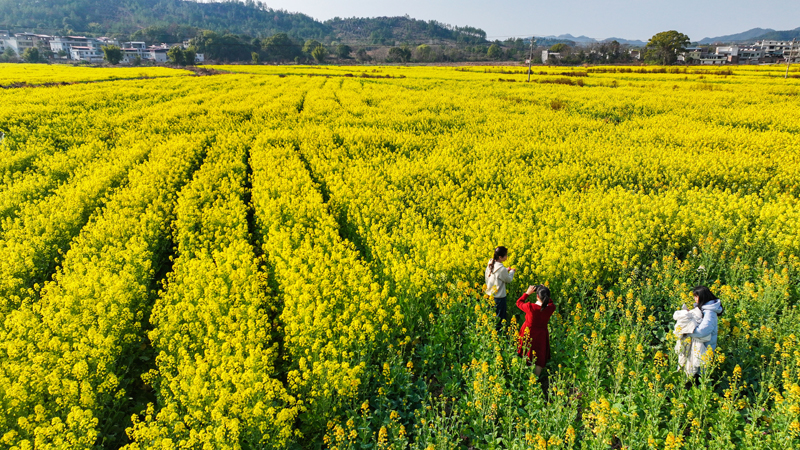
pixel 533 336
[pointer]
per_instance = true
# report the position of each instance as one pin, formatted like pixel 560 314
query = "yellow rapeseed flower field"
pixel 293 256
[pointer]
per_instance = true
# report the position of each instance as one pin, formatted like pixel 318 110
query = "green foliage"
pixel 387 30
pixel 517 44
pixel 399 54
pixel 310 45
pixel 176 56
pixel 494 51
pixel 280 47
pixel 255 57
pixel 112 54
pixel 157 34
pixel 319 53
pixel 362 55
pixel 9 55
pixel 664 47
pixel 558 48
pixel 157 21
pixel 343 51
pixel 380 36
pixel 424 52
pixel 31 55
pixel 189 56
pixel 223 47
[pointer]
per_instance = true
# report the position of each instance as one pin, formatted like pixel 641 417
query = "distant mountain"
pixel 570 39
pixel 580 39
pixel 632 43
pixel 787 35
pixel 756 34
pixel 748 35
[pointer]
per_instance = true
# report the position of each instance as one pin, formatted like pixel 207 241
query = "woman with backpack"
pixel 497 276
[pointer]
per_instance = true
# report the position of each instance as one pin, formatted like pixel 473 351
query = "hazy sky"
pixel 629 19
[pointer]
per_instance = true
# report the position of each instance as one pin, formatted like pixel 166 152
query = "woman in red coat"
pixel 534 339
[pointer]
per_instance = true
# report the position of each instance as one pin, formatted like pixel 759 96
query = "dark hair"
pixel 704 295
pixel 543 292
pixel 499 252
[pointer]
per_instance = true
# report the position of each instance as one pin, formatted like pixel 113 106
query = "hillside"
pixel 124 17
pixel 786 35
pixel 755 34
pixel 398 30
pixel 171 20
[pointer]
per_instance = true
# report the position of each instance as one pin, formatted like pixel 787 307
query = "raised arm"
pixel 506 275
pixel 521 304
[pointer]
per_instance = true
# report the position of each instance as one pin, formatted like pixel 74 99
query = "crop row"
pixel 430 209
pixel 336 319
pixel 329 252
pixel 33 241
pixel 213 330
pixel 65 359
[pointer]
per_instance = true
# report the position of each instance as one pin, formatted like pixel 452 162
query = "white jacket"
pixel 707 329
pixel 690 350
pixel 496 279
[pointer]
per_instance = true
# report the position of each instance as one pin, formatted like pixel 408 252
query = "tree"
pixel 424 52
pixel 189 56
pixel 226 47
pixel 614 50
pixel 558 48
pixel 399 54
pixel 165 33
pixel 319 53
pixel 362 55
pixel 517 44
pixel 665 46
pixel 310 45
pixel 494 51
pixel 44 52
pixel 9 55
pixel 137 61
pixel 176 56
pixel 380 36
pixel 280 47
pixel 31 55
pixel 256 58
pixel 112 54
pixel 343 51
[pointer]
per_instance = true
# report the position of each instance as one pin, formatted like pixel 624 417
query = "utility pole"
pixel 789 58
pixel 530 59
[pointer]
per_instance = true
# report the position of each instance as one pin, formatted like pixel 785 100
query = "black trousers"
pixel 500 312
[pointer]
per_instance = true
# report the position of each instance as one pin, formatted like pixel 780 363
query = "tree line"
pixel 663 48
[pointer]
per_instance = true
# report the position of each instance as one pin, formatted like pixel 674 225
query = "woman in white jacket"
pixel 496 278
pixel 711 307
